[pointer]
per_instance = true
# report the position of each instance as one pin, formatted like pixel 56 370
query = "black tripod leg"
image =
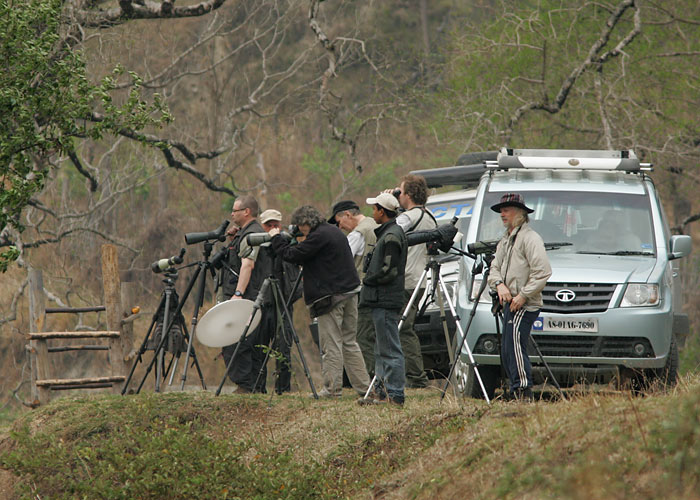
pixel 195 316
pixel 194 355
pixel 295 337
pixel 256 309
pixel 142 349
pixel 549 371
pixel 178 311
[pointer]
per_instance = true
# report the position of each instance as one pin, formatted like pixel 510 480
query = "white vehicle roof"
pixel 600 181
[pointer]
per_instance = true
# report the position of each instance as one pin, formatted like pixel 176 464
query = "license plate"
pixel 558 324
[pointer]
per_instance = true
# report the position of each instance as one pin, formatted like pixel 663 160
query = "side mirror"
pixel 680 246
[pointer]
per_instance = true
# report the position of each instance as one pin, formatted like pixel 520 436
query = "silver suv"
pixel 612 305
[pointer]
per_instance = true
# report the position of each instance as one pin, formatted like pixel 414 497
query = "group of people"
pixel 358 276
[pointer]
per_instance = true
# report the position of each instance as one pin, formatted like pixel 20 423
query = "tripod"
pixel 171 336
pixel 497 311
pixel 202 265
pixel 437 286
pixel 281 313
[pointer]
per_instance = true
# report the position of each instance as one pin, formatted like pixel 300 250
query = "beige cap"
pixel 269 215
pixel 385 200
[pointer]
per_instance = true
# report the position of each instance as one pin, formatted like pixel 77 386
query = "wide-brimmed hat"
pixel 270 214
pixel 511 200
pixel 385 200
pixel 342 206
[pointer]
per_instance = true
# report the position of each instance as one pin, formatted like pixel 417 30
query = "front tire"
pixel 468 384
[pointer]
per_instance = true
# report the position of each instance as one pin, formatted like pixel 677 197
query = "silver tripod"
pixel 438 288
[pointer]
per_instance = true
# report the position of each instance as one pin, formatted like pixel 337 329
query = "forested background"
pixel 134 122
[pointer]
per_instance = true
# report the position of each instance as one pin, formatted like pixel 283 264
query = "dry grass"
pixel 599 445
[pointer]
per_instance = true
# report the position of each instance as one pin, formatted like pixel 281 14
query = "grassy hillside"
pixel 195 445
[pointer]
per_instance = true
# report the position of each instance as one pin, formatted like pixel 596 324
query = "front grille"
pixel 599 347
pixel 590 297
pixel 578 346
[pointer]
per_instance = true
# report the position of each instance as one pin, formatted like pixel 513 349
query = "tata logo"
pixel 565 295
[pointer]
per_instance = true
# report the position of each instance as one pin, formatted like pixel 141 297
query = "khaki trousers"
pixel 338 342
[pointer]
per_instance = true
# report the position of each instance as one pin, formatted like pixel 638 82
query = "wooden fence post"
pixel 38 350
pixel 113 309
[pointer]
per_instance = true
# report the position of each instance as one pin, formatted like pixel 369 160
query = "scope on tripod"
pixel 481 247
pixel 443 236
pixel 257 239
pixel 163 264
pixel 216 234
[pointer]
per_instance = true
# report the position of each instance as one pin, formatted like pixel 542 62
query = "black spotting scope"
pixel 217 234
pixel 479 247
pixel 164 264
pixel 443 236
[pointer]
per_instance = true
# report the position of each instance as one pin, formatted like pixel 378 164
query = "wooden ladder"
pixel 119 334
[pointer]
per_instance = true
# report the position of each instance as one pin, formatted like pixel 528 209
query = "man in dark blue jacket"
pixel 331 284
pixel 383 293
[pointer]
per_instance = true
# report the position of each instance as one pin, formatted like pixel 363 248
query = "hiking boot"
pixel 326 394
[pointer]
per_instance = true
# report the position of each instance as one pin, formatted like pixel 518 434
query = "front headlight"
pixel 640 295
pixel 485 297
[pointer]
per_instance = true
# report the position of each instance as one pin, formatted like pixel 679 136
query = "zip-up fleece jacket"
pixel 521 263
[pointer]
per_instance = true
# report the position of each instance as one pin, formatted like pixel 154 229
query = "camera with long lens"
pixel 164 264
pixel 217 234
pixel 441 238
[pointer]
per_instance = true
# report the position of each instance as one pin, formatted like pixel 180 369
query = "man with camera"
pixel 331 284
pixel 361 238
pixel 519 272
pixel 383 293
pixel 250 265
pixel 412 195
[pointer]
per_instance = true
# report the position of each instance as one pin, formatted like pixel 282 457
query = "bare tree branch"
pixel 79 167
pixel 129 10
pixel 13 305
pixel 594 58
pixel 63 234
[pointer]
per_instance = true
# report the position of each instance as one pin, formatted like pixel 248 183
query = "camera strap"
pixel 510 253
pixel 423 211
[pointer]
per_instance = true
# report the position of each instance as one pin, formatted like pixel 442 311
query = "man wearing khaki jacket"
pixel 519 272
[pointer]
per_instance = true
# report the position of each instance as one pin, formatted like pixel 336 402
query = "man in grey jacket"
pixel 519 272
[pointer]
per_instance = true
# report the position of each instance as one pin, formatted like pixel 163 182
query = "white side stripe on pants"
pixel 517 348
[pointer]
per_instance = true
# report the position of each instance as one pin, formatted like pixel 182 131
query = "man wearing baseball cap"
pixel 383 293
pixel 287 274
pixel 519 272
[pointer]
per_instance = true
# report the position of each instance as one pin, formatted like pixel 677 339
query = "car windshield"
pixel 595 223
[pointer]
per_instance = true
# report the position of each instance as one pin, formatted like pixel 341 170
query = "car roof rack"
pixel 568 159
pixel 469 169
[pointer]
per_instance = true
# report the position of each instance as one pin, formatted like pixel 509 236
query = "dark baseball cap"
pixel 341 206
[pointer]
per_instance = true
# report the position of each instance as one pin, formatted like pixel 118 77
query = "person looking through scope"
pixel 519 272
pixel 249 266
pixel 331 284
pixel 287 273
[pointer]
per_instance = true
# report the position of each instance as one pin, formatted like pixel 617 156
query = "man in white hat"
pixel 519 272
pixel 383 293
